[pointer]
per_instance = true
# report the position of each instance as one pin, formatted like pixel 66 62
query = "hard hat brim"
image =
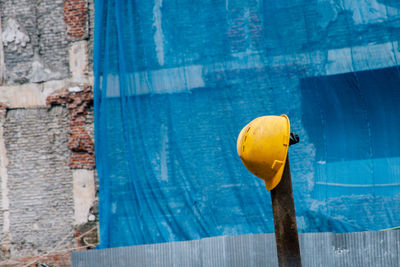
pixel 272 183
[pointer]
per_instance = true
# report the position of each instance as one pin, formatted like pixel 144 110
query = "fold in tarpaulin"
pixel 175 82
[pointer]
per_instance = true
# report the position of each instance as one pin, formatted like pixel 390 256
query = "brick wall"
pixel 40 185
pixel 80 142
pixel 39 179
pixel 34 41
pixel 76 18
pixel 90 31
pixel 46 132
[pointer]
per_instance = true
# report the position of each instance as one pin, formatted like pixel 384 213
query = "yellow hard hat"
pixel 263 145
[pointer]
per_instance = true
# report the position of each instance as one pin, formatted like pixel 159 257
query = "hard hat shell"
pixel 263 145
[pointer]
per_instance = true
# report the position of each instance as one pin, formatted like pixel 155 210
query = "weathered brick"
pixel 59 260
pixel 76 18
pixel 44 145
pixel 80 142
pixel 43 55
pixel 39 180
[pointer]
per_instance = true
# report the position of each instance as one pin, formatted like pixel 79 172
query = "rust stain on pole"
pixel 287 240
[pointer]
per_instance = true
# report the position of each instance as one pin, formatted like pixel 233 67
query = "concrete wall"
pixel 48 204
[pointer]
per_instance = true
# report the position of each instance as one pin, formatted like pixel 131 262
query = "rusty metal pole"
pixel 287 240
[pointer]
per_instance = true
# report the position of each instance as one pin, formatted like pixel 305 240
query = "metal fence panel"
pixel 317 249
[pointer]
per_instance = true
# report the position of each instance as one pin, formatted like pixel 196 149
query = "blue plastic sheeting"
pixel 175 82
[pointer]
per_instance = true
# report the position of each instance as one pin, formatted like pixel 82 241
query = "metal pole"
pixel 287 240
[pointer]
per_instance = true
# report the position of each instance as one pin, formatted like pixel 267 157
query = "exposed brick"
pixel 80 141
pixel 79 160
pixel 59 260
pixel 39 180
pixel 3 106
pixel 86 235
pixel 76 18
pixel 42 22
pixel 42 145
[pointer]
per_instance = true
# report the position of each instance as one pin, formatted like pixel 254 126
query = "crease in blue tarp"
pixel 175 81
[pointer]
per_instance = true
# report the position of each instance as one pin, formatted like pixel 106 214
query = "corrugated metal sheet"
pixel 317 249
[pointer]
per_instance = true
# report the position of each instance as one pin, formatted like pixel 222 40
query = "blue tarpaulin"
pixel 175 82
